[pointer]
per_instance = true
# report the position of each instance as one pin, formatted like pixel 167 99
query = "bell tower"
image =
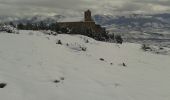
pixel 87 16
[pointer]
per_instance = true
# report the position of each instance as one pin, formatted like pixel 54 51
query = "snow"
pixel 31 61
pixel 8 28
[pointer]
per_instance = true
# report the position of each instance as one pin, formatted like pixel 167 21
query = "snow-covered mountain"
pixel 33 19
pixel 4 19
pixel 135 20
pixel 137 25
pixel 34 67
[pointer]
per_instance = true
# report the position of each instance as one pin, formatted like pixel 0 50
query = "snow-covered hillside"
pixel 34 67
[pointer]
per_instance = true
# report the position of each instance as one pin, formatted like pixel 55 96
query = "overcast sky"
pixel 76 7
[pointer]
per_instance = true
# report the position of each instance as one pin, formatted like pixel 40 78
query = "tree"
pixel 54 27
pixel 42 25
pixel 29 26
pixel 118 39
pixel 12 24
pixel 20 26
pixel 64 30
pixel 111 36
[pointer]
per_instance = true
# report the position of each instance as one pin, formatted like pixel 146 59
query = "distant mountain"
pixel 137 25
pixel 135 20
pixel 4 19
pixel 33 19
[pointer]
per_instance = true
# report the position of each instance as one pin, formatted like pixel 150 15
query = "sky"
pixel 76 7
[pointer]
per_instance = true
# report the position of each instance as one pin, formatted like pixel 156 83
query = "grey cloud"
pixel 156 2
pixel 76 7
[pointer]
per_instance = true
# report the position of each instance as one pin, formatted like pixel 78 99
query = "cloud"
pixel 76 7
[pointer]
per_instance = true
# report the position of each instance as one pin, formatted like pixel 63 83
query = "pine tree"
pixel 20 26
pixel 119 39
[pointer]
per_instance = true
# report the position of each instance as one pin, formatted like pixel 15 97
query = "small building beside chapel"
pixel 83 26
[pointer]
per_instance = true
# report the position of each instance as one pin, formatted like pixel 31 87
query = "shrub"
pixel 145 47
pixel 87 41
pixel 83 48
pixel 59 42
pixel 119 39
pixel 101 59
pixel 9 29
pixel 67 44
pixel 161 48
pixel 56 81
pixel 124 64
pixel 111 37
pixel 62 78
pixel 2 85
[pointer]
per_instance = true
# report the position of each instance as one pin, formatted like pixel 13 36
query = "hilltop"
pixel 35 66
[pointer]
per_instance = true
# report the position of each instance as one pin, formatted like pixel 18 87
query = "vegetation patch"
pixel 2 85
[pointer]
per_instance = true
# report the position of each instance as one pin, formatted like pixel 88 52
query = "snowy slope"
pixel 31 61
